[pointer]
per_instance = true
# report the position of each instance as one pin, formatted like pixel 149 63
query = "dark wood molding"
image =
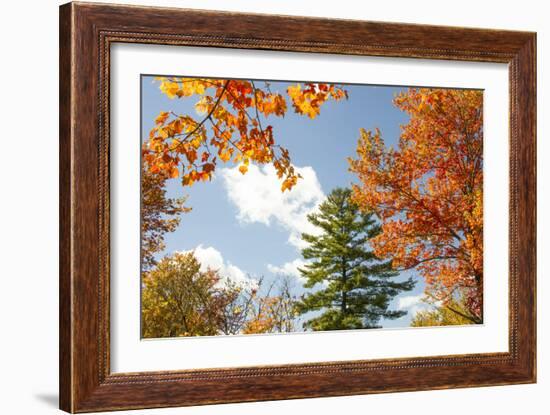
pixel 86 33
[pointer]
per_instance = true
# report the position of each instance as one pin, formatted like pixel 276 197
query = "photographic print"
pixel 272 206
pixel 312 205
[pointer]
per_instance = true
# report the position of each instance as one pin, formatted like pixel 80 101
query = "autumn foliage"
pixel 452 314
pixel 180 299
pixel 159 215
pixel 428 192
pixel 229 128
pixel 414 206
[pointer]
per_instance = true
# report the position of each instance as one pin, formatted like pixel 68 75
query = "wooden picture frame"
pixel 86 33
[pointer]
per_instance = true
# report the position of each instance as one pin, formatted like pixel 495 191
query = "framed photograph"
pixel 260 207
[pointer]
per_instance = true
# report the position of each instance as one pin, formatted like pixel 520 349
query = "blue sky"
pixel 242 224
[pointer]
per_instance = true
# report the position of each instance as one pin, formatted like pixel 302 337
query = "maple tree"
pixel 230 127
pixel 428 192
pixel 455 312
pixel 273 312
pixel 355 286
pixel 159 215
pixel 237 307
pixel 178 300
pixel 252 309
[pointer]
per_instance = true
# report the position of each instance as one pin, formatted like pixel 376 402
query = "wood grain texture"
pixel 86 33
pixel 65 133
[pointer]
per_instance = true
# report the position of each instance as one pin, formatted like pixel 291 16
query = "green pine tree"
pixel 355 288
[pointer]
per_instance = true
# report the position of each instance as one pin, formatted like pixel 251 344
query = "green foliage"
pixel 355 287
pixel 454 312
pixel 180 300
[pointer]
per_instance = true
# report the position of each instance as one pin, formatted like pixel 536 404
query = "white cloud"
pixel 409 301
pixel 288 268
pixel 413 304
pixel 258 198
pixel 211 258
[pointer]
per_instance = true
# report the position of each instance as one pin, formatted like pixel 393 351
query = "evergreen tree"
pixel 355 288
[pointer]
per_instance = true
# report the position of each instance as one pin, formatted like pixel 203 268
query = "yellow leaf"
pixel 294 91
pixel 202 106
pixel 243 169
pixel 225 156
pixel 162 117
pixel 196 142
pixel 169 88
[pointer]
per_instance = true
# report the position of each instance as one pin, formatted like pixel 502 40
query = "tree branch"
pixel 199 125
